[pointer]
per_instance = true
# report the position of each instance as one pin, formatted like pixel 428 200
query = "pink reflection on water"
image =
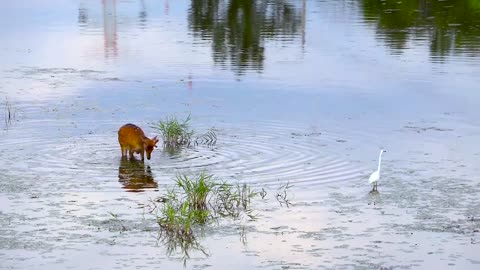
pixel 110 28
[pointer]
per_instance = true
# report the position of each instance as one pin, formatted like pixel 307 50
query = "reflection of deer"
pixel 134 176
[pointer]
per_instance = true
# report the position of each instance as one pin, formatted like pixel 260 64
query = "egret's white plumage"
pixel 375 176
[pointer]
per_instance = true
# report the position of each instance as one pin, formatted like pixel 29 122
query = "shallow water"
pixel 304 92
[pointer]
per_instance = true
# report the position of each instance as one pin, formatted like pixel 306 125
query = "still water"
pixel 303 92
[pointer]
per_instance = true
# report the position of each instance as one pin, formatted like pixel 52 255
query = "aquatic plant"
pixel 198 200
pixel 196 190
pixel 234 200
pixel 175 132
pixel 282 195
pixel 201 198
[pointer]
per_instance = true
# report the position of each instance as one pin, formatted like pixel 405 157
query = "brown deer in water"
pixel 132 138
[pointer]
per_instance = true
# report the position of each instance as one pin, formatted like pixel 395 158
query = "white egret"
pixel 376 174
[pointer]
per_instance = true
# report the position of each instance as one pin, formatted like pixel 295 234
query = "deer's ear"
pixel 155 139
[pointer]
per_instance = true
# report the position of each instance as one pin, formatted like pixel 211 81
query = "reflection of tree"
pixel 82 15
pixel 451 26
pixel 238 28
pixel 142 15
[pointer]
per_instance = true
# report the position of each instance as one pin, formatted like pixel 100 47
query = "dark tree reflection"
pixel 238 29
pixel 449 26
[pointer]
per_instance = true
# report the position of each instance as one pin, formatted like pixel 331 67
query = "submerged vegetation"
pixel 176 133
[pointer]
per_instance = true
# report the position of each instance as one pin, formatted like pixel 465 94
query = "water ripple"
pixel 257 156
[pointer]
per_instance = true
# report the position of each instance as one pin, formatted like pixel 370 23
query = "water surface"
pixel 304 92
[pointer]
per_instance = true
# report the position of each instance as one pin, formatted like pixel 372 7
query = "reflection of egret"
pixel 376 174
pixel 134 176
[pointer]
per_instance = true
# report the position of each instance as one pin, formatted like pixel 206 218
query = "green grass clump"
pixel 195 201
pixel 233 200
pixel 200 199
pixel 176 220
pixel 196 191
pixel 175 132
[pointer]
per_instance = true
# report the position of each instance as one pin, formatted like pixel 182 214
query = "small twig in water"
pixel 115 218
pixel 282 195
pixel 9 113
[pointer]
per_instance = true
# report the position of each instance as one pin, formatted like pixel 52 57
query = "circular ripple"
pixel 269 154
pixel 263 154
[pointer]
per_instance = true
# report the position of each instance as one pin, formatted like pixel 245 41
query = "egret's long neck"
pixel 379 161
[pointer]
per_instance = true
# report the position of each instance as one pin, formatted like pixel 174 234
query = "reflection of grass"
pixel 180 245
